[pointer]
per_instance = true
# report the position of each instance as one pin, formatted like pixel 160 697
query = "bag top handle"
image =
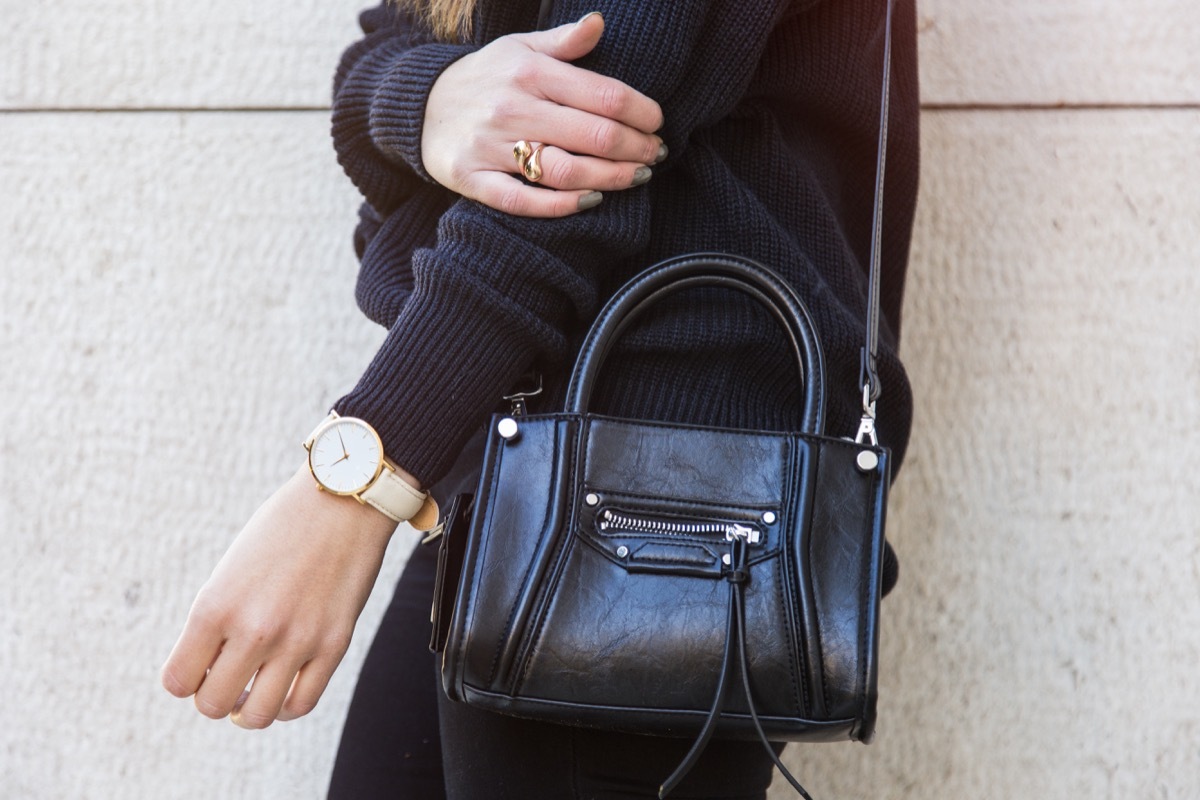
pixel 707 270
pixel 868 367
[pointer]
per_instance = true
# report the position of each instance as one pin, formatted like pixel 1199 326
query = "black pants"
pixel 404 739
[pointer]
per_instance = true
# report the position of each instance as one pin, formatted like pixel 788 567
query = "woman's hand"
pixel 598 132
pixel 280 607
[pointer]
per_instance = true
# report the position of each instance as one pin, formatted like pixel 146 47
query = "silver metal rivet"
pixel 867 460
pixel 622 551
pixel 769 517
pixel 592 499
pixel 507 428
pixel 726 559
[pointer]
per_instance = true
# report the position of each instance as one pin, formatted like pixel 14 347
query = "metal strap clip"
pixel 517 398
pixel 866 428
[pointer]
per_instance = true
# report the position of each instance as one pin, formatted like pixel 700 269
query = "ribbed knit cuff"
pixel 398 105
pixel 446 363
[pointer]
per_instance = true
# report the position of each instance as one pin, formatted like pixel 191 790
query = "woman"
pixel 766 115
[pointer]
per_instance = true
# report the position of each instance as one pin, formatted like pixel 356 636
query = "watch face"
pixel 346 456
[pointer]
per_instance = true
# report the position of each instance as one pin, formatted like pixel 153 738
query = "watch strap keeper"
pixel 398 500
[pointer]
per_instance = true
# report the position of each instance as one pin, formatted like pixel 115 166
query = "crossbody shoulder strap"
pixel 868 373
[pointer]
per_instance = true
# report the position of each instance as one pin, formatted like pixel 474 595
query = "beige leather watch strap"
pixel 398 500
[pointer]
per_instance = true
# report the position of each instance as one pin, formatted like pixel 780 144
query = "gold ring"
pixel 522 151
pixel 529 159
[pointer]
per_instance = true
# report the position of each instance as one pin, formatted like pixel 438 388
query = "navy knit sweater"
pixel 771 115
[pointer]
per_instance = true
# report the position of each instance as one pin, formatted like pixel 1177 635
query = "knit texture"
pixel 771 119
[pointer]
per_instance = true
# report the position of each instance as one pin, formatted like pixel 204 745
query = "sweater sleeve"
pixel 379 94
pixel 497 293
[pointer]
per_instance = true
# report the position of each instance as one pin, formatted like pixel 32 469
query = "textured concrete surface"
pixel 1044 637
pixel 172 53
pixel 177 309
pixel 1060 52
pixel 116 54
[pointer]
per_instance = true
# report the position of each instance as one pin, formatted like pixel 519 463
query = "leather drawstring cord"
pixel 737 575
pixel 710 724
pixel 739 597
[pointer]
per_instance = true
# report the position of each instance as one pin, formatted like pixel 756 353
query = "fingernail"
pixel 641 175
pixel 662 154
pixel 590 200
pixel 589 14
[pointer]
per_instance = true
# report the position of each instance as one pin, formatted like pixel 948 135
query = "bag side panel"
pixel 512 531
pixel 844 556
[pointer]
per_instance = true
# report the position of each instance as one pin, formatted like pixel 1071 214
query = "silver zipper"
pixel 610 519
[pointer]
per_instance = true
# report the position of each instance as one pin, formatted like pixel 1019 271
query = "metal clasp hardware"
pixel 517 398
pixel 435 533
pixel 866 428
pixel 751 535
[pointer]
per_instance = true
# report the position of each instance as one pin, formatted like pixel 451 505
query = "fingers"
pixel 506 193
pixel 569 184
pixel 562 170
pixel 574 130
pixel 583 132
pixel 260 706
pixel 283 688
pixel 597 131
pixel 583 89
pixel 192 655
pixel 567 42
pixel 601 96
pixel 308 687
pixel 223 686
pixel 216 657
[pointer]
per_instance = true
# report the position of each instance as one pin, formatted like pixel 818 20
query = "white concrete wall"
pixel 173 229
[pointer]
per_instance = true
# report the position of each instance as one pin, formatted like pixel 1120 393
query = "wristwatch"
pixel 345 457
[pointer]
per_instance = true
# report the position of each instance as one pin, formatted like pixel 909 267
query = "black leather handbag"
pixel 629 574
pixel 624 574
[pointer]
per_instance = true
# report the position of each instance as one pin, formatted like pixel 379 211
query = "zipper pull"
pixel 744 532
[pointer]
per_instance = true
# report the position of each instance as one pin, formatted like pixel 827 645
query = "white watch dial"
pixel 346 456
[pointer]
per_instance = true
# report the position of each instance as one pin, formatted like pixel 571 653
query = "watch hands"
pixel 345 454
